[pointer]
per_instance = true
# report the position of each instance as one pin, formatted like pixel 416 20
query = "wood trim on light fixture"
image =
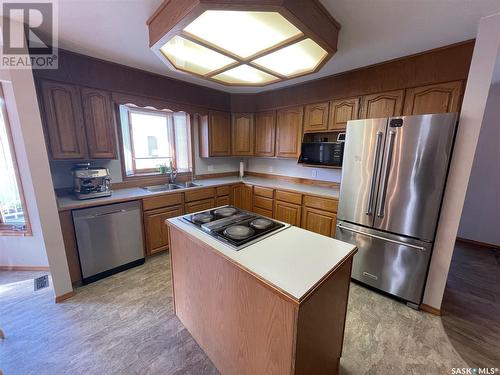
pixel 313 21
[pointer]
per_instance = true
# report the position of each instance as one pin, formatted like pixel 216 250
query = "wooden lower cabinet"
pixel 156 230
pixel 319 221
pixel 287 212
pixel 202 205
pixel 69 238
pixel 222 201
pixel 242 197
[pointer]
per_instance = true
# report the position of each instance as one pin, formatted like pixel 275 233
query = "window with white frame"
pixel 13 215
pixel 154 140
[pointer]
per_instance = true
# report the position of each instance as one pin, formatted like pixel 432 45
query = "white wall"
pixel 476 94
pixel 481 214
pixel 291 168
pixel 29 250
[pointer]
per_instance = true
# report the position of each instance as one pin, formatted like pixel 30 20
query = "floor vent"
pixel 41 282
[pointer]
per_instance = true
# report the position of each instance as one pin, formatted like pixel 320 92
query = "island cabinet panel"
pixel 99 123
pixel 439 98
pixel 63 120
pixel 384 104
pixel 214 131
pixel 244 327
pixel 155 229
pixel 242 196
pixel 341 111
pixel 201 205
pixel 265 133
pixel 289 132
pixel 316 117
pixel 243 134
pixel 319 221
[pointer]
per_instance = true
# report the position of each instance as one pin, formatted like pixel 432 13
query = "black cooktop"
pixel 233 226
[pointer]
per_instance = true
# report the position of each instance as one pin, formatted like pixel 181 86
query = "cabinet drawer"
pixel 162 201
pixel 263 192
pixel 263 212
pixel 326 204
pixel 288 196
pixel 222 201
pixel 202 205
pixel 199 194
pixel 222 190
pixel 261 202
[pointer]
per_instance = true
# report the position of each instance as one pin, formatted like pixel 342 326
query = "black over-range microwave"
pixel 322 153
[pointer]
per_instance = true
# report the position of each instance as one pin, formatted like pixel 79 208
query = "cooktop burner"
pixel 233 226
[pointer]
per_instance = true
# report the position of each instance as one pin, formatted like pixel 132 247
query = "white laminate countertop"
pixel 69 202
pixel 293 260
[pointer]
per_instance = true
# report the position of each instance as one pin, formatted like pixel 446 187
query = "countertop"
pixel 293 260
pixel 68 202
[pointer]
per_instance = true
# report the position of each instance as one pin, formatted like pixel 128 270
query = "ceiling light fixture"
pixel 242 42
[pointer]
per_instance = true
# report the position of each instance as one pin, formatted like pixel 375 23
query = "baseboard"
pixel 430 309
pixel 478 243
pixel 65 296
pixel 24 268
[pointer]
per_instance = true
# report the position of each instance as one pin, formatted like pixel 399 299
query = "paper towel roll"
pixel 242 169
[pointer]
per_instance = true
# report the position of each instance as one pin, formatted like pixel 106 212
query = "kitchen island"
pixel 277 306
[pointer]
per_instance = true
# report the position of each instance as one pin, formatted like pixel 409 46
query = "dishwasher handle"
pixel 110 213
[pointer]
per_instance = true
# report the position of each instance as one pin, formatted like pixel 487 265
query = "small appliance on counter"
pixel 234 227
pixel 90 182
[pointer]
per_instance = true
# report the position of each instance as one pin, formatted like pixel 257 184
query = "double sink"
pixel 167 187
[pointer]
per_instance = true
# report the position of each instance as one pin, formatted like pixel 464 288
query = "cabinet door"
pixel 219 130
pixel 319 221
pixel 265 130
pixel 99 123
pixel 384 104
pixel 341 111
pixel 443 97
pixel 222 201
pixel 316 117
pixel 289 132
pixel 242 197
pixel 62 107
pixel 242 133
pixel 202 205
pixel 287 212
pixel 156 229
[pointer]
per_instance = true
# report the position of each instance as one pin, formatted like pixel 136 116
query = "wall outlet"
pixel 314 173
pixel 210 168
pixel 271 169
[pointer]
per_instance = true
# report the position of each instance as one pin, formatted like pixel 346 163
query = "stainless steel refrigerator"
pixel 393 178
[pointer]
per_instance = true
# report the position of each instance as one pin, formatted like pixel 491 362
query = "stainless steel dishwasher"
pixel 109 239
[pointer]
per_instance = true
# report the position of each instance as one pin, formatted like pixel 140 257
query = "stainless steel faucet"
pixel 172 175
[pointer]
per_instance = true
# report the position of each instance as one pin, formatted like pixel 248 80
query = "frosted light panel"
pixel 242 33
pixel 245 75
pixel 299 58
pixel 186 55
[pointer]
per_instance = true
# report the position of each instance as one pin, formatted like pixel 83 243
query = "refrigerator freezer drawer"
pixel 393 264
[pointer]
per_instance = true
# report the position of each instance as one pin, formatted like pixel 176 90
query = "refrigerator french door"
pixel 393 179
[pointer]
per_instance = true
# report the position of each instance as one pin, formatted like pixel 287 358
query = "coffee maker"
pixel 91 182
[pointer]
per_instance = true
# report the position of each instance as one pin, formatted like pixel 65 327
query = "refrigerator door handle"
pixel 341 227
pixel 381 206
pixel 376 160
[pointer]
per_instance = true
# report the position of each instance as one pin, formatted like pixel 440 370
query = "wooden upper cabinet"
pixel 289 132
pixel 62 108
pixel 316 117
pixel 443 97
pixel 384 104
pixel 243 134
pixel 265 130
pixel 99 123
pixel 341 111
pixel 215 134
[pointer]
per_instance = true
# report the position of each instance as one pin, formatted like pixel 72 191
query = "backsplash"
pixel 291 168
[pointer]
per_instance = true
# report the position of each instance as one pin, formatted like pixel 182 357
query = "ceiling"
pixel 372 31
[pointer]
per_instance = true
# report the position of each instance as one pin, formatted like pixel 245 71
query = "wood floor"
pixel 124 325
pixel 471 305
